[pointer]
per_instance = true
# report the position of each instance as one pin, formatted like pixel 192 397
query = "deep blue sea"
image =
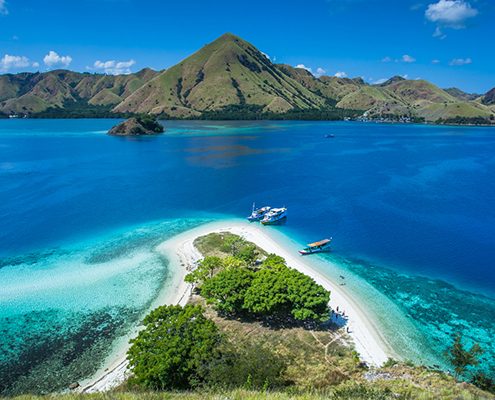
pixel 411 209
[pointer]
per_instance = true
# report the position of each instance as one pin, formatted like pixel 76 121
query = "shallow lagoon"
pixel 410 208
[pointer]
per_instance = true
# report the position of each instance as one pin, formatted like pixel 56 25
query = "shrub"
pixel 252 365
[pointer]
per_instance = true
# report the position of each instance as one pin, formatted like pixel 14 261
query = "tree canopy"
pixel 227 289
pixel 273 289
pixel 173 348
pixel 205 269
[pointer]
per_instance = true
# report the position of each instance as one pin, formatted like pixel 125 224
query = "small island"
pixel 137 126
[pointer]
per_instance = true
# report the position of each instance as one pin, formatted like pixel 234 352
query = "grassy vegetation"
pixel 223 245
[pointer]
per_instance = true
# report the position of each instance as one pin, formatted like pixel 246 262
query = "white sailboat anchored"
pixel 258 213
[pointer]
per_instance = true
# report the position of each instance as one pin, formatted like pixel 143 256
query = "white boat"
pixel 274 216
pixel 258 213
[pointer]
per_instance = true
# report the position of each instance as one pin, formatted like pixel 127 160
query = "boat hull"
pixel 307 253
pixel 275 222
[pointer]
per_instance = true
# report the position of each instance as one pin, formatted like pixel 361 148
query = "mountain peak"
pixel 226 72
pixel 228 38
pixel 394 79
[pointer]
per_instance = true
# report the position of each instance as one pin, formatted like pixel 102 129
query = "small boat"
pixel 317 247
pixel 274 216
pixel 329 135
pixel 258 213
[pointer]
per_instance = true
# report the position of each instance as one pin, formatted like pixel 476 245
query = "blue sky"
pixel 449 42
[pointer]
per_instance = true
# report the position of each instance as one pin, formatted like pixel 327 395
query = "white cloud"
pixel 320 71
pixel 408 59
pixel 302 66
pixel 36 64
pixel 435 61
pixel 341 74
pixel 3 7
pixel 450 13
pixel 461 61
pixel 405 58
pixel 113 67
pixel 52 59
pixel 438 33
pixel 266 55
pixel 9 62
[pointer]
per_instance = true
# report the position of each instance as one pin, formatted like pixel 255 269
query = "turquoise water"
pixel 410 208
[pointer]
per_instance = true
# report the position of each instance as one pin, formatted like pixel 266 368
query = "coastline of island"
pixel 183 256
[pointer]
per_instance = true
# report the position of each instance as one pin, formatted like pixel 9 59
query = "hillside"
pixel 31 93
pixel 226 72
pixel 489 98
pixel 461 95
pixel 417 99
pixel 331 88
pixel 230 78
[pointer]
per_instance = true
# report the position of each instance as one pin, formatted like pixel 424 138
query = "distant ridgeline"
pixel 231 79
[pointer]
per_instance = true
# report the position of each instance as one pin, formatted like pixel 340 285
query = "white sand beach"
pixel 183 256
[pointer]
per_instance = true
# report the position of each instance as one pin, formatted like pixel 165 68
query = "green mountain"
pixel 417 99
pixel 489 98
pixel 226 72
pixel 461 95
pixel 32 93
pixel 230 78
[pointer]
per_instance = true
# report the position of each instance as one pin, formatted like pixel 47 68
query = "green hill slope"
pixel 489 98
pixel 231 78
pixel 461 95
pixel 31 93
pixel 417 99
pixel 226 72
pixel 331 88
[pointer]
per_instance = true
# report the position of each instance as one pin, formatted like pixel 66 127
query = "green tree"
pixel 231 262
pixel 267 293
pixel 173 348
pixel 274 261
pixel 283 290
pixel 309 301
pixel 233 244
pixel 461 358
pixel 226 290
pixel 206 269
pixel 248 253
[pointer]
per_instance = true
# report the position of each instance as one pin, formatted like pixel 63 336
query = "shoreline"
pixel 183 256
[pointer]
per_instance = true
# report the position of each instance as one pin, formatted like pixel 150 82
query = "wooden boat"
pixel 317 247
